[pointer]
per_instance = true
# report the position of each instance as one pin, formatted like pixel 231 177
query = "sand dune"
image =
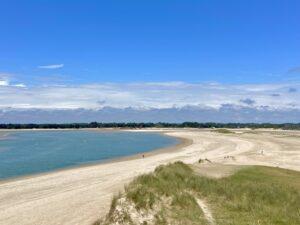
pixel 81 195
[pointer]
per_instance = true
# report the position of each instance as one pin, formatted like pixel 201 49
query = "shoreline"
pixel 182 142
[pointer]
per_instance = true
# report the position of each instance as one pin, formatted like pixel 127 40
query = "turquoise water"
pixel 30 152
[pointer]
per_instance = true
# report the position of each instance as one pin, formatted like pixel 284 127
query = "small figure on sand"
pixel 143 156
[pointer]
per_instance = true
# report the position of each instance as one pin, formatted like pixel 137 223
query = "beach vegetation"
pixel 223 131
pixel 255 195
pixel 286 126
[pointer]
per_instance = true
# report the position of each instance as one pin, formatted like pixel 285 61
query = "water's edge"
pixel 182 142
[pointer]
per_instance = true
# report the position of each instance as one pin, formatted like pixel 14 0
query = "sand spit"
pixel 82 195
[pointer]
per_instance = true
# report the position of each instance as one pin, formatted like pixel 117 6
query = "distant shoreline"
pixel 59 129
pixel 114 129
pixel 147 125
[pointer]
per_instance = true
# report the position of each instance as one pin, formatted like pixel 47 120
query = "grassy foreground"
pixel 255 196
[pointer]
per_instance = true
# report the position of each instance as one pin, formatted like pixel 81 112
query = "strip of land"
pixel 82 195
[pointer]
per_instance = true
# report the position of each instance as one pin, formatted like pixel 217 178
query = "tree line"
pixel 287 126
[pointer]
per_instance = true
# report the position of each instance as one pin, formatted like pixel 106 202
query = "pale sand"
pixel 82 195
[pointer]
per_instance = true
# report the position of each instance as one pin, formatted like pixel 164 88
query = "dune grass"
pixel 256 195
pixel 253 196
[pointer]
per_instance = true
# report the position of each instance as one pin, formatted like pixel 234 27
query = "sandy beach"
pixel 81 195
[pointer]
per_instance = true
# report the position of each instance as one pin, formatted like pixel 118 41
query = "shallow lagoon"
pixel 31 152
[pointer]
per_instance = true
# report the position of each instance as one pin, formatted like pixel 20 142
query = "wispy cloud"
pixel 53 66
pixel 19 85
pixel 6 79
pixel 7 84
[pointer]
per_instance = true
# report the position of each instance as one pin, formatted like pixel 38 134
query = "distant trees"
pixel 287 126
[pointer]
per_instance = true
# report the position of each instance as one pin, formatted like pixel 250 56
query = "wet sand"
pixel 81 195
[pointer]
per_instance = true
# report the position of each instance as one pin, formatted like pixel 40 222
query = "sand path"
pixel 206 211
pixel 81 195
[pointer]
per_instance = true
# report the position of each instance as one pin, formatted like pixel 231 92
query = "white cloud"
pixel 148 95
pixel 4 83
pixel 5 80
pixel 19 85
pixel 53 66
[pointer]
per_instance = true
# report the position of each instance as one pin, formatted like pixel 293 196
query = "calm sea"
pixel 30 152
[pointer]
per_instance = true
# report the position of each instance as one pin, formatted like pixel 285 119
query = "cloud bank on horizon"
pixel 147 95
pixel 149 101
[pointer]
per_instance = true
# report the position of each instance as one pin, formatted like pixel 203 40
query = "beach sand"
pixel 81 195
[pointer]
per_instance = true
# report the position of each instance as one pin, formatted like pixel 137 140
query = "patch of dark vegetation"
pixel 286 126
pixel 223 131
pixel 204 160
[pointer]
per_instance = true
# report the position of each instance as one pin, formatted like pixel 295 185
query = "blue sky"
pixel 211 55
pixel 124 41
